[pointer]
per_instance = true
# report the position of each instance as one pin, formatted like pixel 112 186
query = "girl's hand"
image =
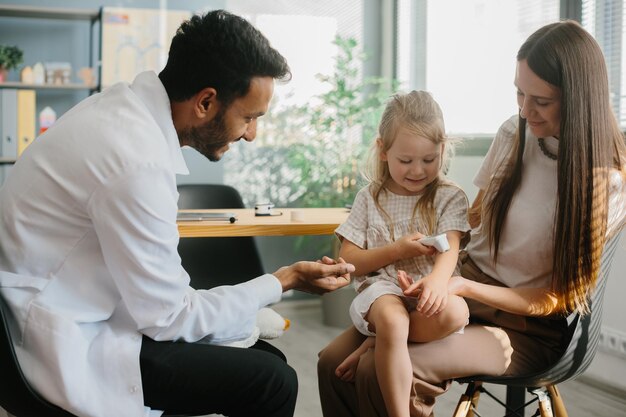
pixel 404 280
pixel 434 295
pixel 409 246
pixel 431 291
pixel 407 285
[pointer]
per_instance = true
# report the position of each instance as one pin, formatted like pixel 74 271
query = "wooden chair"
pixel 584 332
pixel 213 261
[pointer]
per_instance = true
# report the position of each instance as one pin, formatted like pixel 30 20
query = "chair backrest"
pixel 208 196
pixel 584 336
pixel 16 395
pixel 214 261
pixel 586 329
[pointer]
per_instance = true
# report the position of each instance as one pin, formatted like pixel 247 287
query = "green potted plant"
pixel 311 155
pixel 10 58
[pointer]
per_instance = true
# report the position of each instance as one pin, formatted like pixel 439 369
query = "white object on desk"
pixel 297 216
pixel 204 216
pixel 263 209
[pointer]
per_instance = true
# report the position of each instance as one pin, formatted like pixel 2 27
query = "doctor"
pixel 106 323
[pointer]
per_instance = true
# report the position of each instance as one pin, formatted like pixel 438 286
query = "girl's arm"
pixel 369 260
pixel 522 301
pixel 445 263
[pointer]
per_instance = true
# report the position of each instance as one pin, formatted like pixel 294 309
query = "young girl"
pixel 408 198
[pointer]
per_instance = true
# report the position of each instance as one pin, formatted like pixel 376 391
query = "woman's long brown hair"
pixel 590 145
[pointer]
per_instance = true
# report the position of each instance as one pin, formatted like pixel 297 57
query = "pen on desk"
pixel 212 216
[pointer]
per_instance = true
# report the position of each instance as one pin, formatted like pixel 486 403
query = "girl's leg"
pixel 347 369
pixel 451 319
pixel 479 351
pixel 390 322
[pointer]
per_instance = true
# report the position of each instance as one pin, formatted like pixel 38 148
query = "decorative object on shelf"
pixel 10 58
pixel 26 75
pixel 58 73
pixel 47 117
pixel 87 76
pixel 39 75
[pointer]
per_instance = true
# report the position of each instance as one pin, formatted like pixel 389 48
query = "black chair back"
pixel 208 196
pixel 16 395
pixel 214 261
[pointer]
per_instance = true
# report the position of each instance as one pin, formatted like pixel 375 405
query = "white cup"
pixel 297 216
pixel 263 209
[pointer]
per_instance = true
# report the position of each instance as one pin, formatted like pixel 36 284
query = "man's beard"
pixel 209 138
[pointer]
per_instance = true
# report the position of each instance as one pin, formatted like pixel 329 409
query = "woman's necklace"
pixel 545 150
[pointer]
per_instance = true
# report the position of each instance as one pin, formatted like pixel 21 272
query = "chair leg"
pixel 515 399
pixel 464 406
pixel 545 405
pixel 557 401
pixel 474 399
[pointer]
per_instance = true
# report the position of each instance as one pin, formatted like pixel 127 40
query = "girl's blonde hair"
pixel 419 113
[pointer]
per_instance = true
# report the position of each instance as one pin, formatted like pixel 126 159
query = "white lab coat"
pixel 88 254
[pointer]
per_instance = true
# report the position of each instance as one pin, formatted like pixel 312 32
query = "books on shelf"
pixel 26 114
pixel 8 123
pixel 17 125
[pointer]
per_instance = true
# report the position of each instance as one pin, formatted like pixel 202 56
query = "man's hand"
pixel 315 277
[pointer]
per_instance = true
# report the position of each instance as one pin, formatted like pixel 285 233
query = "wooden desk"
pixel 316 221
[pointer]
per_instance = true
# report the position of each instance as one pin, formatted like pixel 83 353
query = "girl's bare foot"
pixel 346 370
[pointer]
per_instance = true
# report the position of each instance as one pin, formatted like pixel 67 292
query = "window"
pixel 463 51
pixel 604 19
pixel 286 164
pixel 303 32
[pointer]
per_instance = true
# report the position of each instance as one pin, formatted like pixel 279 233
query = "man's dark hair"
pixel 222 51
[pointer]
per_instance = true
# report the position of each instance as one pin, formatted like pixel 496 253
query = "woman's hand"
pixel 456 285
pixel 524 301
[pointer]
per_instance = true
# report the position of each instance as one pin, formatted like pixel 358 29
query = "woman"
pixel 552 191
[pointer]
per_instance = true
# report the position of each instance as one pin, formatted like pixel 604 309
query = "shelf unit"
pixel 62 92
pixel 69 86
pixel 48 13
